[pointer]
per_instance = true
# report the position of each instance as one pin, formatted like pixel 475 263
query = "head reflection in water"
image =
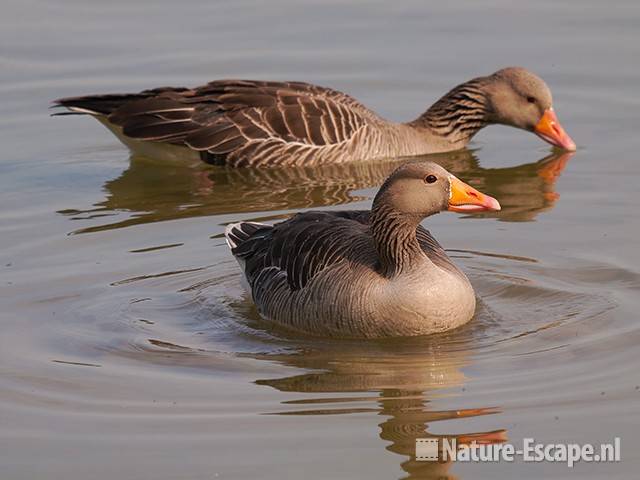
pixel 397 388
pixel 149 191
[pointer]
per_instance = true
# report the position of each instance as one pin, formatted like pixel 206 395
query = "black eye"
pixel 531 99
pixel 430 178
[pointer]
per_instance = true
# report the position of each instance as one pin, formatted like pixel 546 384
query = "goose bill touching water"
pixel 265 123
pixel 363 274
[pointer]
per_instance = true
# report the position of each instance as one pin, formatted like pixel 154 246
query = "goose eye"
pixel 430 179
pixel 531 100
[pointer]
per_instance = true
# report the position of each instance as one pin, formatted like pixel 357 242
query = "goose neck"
pixel 394 235
pixel 459 114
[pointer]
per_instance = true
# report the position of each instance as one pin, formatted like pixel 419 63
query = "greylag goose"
pixel 361 273
pixel 263 123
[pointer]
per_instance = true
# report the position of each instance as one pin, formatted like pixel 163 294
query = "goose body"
pixel 264 123
pixel 363 274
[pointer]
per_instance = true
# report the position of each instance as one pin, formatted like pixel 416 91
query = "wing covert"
pixel 226 115
pixel 303 246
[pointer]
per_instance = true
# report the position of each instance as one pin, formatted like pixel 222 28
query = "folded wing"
pixel 235 121
pixel 311 242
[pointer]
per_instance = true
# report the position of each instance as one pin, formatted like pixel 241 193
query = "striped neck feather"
pixel 459 114
pixel 394 236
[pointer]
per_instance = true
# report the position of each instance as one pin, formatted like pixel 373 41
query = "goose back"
pixel 248 123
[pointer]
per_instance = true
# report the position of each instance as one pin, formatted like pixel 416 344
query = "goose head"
pixel 521 99
pixel 420 189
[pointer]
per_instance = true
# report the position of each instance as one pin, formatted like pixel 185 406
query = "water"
pixel 128 348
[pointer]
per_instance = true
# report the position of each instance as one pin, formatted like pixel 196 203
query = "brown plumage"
pixel 261 123
pixel 375 273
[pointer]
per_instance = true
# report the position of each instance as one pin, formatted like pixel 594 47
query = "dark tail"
pixel 94 104
pixel 238 233
pixel 105 104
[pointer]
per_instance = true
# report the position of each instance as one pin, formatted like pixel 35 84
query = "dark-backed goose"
pixel 263 123
pixel 360 273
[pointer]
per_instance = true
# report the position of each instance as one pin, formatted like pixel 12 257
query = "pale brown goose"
pixel 262 123
pixel 361 273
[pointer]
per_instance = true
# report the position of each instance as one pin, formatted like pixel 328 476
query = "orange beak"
pixel 550 130
pixel 466 199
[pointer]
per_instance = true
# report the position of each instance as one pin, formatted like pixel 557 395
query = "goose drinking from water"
pixel 265 123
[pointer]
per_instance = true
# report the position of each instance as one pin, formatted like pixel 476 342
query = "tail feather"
pixel 107 103
pixel 237 233
pixel 95 104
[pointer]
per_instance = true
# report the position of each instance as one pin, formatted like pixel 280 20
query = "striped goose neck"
pixel 394 236
pixel 459 114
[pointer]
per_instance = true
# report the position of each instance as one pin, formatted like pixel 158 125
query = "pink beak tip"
pixel 493 204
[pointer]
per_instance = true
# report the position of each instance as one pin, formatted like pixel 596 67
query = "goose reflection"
pixel 404 377
pixel 151 192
